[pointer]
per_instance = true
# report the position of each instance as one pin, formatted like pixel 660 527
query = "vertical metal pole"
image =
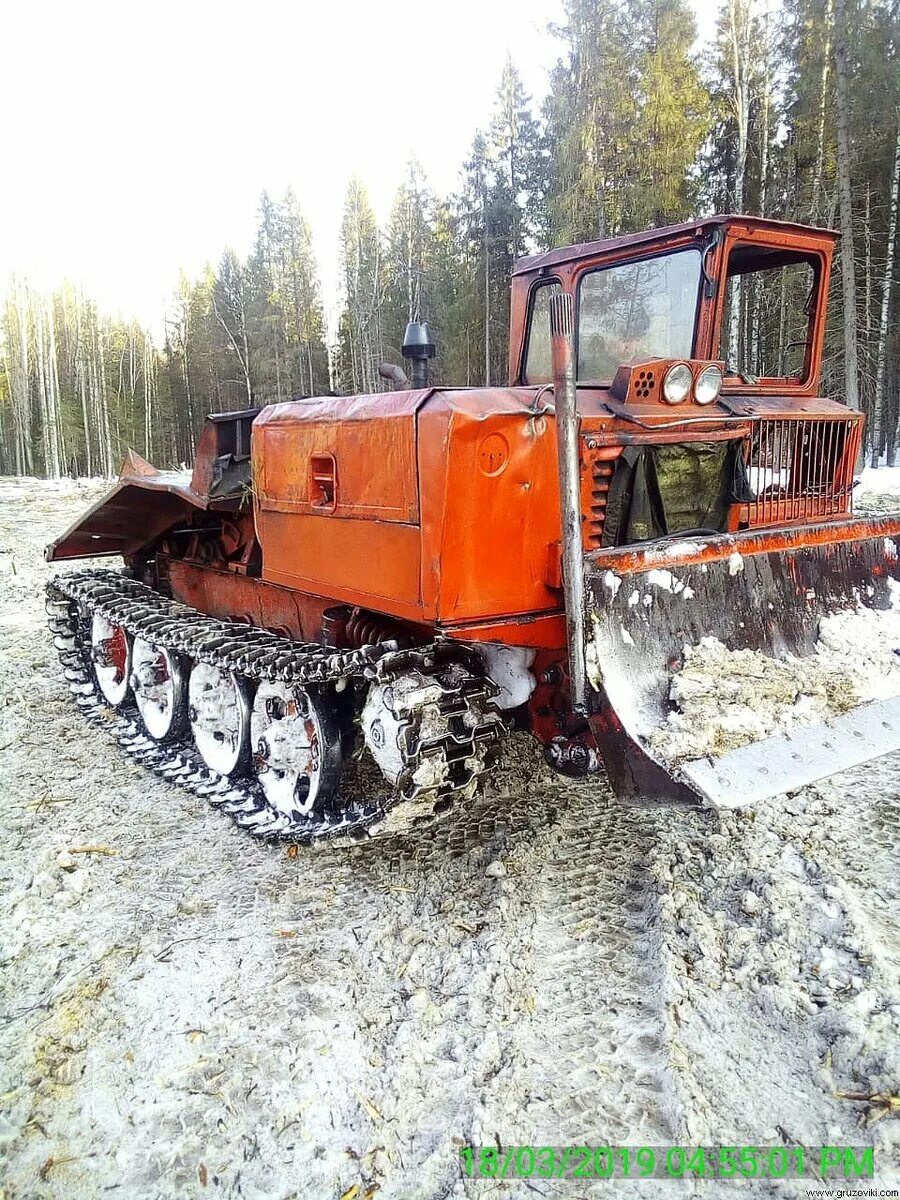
pixel 562 324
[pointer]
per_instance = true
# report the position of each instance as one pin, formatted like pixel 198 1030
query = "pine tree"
pixel 673 116
pixel 590 110
pixel 361 338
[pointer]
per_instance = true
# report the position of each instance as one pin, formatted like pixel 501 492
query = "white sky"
pixel 138 136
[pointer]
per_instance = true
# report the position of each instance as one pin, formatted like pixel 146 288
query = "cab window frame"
pixel 791 256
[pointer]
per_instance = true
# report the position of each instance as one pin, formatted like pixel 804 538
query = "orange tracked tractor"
pixel 418 571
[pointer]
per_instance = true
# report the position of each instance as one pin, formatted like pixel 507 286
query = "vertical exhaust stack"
pixel 562 324
pixel 418 348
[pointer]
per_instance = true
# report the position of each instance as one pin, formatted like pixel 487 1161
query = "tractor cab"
pixel 696 353
pixel 745 293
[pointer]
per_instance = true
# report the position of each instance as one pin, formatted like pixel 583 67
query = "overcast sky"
pixel 138 136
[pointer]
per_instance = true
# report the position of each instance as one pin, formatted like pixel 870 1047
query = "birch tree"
pixel 878 407
pixel 229 299
pixel 739 22
pixel 845 192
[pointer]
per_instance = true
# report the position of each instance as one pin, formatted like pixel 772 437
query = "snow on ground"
pixel 188 1013
pixel 878 491
pixel 723 699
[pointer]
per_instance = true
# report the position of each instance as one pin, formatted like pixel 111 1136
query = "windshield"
pixel 637 310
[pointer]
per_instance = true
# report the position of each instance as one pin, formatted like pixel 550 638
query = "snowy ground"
pixel 188 1013
pixel 878 491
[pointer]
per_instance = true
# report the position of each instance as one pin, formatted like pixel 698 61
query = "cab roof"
pixel 653 237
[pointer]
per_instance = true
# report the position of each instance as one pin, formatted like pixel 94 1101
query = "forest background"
pixel 792 112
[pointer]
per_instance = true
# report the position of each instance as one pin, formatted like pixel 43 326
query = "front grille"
pixel 800 469
pixel 595 491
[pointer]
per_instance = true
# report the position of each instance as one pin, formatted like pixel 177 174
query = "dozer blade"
pixel 765 591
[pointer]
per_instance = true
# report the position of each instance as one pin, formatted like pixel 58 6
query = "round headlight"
pixel 708 385
pixel 677 383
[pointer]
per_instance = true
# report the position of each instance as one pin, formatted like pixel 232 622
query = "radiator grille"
pixel 801 469
pixel 595 493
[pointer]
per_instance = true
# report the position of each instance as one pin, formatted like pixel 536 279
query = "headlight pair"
pixel 679 380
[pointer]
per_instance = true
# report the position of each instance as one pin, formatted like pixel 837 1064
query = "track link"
pixel 457 750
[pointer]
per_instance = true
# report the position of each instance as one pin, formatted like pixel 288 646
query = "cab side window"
pixel 769 313
pixel 538 366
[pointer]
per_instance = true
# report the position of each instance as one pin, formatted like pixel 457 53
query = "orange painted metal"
pixel 490 505
pixel 717 237
pixel 628 560
pixel 366 443
pixel 440 508
pixel 229 596
pixel 138 510
pixel 372 563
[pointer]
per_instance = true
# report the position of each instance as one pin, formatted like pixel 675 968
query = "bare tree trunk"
pixel 782 319
pixel 765 122
pixel 823 106
pixel 57 437
pixel 878 406
pixel 148 401
pixel 22 386
pixel 866 375
pixel 410 308
pixel 186 377
pixel 739 35
pixel 103 402
pixel 487 297
pixel 81 384
pixel 47 449
pixel 844 177
pixel 239 343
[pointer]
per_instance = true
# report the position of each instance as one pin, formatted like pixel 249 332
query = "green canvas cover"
pixel 678 487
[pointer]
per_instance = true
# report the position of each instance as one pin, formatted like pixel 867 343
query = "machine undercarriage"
pixel 274 717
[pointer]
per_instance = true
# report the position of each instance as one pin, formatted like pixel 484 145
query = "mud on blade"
pixel 763 591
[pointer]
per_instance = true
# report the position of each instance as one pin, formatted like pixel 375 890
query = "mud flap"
pixel 764 591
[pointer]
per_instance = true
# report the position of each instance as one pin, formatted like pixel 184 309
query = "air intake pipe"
pixel 565 397
pixel 418 348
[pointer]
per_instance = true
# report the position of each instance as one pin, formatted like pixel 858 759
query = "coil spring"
pixel 368 629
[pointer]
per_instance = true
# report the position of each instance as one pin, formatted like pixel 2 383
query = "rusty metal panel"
pixel 490 505
pixel 763 590
pixel 135 512
pixel 786 233
pixel 229 596
pixel 370 441
pixel 371 563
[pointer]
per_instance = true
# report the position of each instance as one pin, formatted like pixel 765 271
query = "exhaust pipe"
pixel 562 325
pixel 395 375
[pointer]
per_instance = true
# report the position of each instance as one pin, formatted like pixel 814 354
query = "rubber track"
pixel 255 653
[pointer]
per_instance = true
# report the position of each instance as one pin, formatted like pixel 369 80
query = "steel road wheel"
pixel 111 656
pixel 296 740
pixel 158 680
pixel 219 714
